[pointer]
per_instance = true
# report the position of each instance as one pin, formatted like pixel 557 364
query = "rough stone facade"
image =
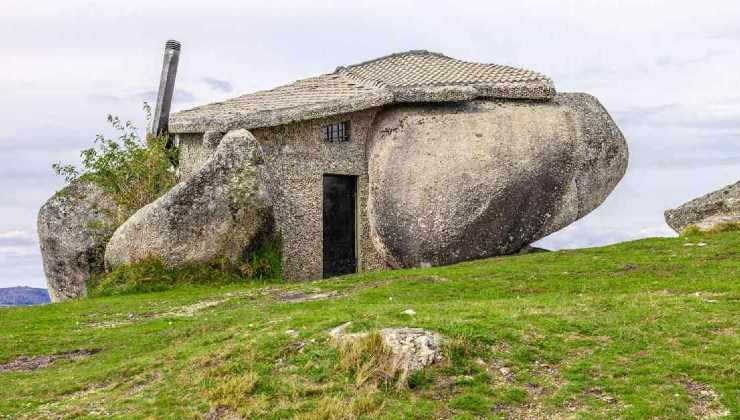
pixel 192 154
pixel 295 159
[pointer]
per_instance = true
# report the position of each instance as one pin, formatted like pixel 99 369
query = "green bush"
pixel 265 262
pixel 132 170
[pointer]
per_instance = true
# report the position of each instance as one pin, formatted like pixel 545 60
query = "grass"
pixel 694 230
pixel 640 329
pixel 151 274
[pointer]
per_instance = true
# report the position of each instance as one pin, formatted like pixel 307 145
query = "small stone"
pixel 292 333
pixel 339 331
pixel 409 312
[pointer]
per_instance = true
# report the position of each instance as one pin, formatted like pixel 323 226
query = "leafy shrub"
pixel 266 261
pixel 132 170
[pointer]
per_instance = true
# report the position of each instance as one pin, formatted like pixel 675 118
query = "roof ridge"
pixel 397 54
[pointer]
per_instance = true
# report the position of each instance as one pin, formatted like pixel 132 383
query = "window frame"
pixel 338 132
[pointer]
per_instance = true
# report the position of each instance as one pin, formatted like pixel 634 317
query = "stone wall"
pixel 193 154
pixel 296 158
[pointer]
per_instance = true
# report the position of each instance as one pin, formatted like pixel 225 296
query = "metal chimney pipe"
pixel 166 87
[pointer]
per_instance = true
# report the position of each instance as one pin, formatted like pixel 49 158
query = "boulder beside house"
pixel 412 159
pixel 73 227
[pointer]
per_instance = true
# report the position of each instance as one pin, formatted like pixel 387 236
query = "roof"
pixel 413 76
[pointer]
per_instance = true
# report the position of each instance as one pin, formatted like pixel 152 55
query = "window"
pixel 335 133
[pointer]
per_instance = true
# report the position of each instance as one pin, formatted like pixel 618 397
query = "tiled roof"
pixel 423 68
pixel 414 76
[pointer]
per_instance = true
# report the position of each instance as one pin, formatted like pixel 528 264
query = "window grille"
pixel 335 133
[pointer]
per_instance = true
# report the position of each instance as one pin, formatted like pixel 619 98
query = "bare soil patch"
pixel 28 364
pixel 299 296
pixel 706 402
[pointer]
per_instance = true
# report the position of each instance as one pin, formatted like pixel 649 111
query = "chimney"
pixel 166 87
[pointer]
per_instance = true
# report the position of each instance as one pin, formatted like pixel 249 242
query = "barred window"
pixel 334 133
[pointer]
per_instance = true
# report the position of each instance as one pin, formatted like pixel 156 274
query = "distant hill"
pixel 22 296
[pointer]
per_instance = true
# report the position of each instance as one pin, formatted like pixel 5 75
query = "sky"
pixel 667 71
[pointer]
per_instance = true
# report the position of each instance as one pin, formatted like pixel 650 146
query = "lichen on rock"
pixel 73 227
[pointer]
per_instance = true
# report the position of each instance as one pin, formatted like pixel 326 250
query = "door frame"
pixel 356 204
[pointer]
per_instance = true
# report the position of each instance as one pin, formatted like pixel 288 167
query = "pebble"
pixel 292 333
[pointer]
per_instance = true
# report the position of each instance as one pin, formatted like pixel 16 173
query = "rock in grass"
pixel 707 212
pixel 73 227
pixel 415 348
pixel 412 348
pixel 219 211
pixel 455 182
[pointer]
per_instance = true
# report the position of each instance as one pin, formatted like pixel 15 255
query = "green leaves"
pixel 135 171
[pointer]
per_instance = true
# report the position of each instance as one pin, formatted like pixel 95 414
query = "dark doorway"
pixel 340 194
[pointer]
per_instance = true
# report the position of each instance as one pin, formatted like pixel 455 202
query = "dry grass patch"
pixel 370 361
pixel 366 404
pixel 234 391
pixel 692 230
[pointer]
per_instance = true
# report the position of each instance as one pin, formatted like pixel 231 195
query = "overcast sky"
pixel 668 72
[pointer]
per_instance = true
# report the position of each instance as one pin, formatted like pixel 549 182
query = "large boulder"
pixel 73 227
pixel 453 182
pixel 219 211
pixel 706 212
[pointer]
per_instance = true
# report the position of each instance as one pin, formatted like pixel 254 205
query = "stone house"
pixel 396 162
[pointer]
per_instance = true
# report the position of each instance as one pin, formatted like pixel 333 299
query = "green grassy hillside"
pixel 645 328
